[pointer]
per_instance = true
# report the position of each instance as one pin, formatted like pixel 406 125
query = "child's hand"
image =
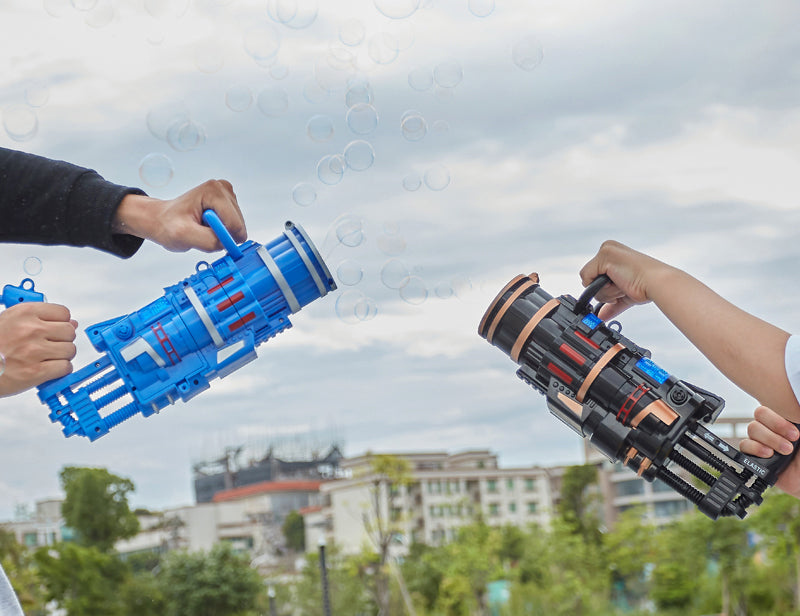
pixel 768 433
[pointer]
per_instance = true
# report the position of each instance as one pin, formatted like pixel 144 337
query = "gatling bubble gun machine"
pixel 608 390
pixel 204 327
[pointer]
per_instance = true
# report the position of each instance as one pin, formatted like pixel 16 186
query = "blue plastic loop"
pixel 212 220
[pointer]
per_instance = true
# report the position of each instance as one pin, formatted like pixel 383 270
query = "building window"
pixel 396 512
pixel 630 488
pixel 510 485
pixel 531 507
pixel 491 486
pixel 512 507
pixel 29 539
pixel 666 509
pixel 530 485
pixel 455 486
pixel 494 509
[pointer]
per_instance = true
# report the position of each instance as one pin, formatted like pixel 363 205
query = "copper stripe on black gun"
pixel 607 389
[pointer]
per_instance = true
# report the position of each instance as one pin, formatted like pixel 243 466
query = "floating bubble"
pixel 304 194
pixel 166 8
pixel 330 169
pixel 362 118
pixel 101 15
pixel 186 136
pixel 414 291
pixel 359 155
pixel 340 57
pixel 273 101
pixel 156 170
pixel 20 122
pixel 481 8
pixel 208 57
pixel 165 115
pixel 262 41
pixel 83 5
pixel 394 274
pixel 527 52
pixel 352 307
pixel 32 266
pixel 320 127
pixel 420 79
pixel 397 9
pixel 448 74
pixel 443 290
pixel 383 48
pixel 349 272
pixel 413 126
pixel 390 228
pixel 462 285
pixel 391 244
pixel 352 32
pixel 440 128
pixel 279 71
pixel 437 177
pixel 403 33
pixel 350 230
pixel 330 78
pixel 296 14
pixel 359 91
pixel 239 98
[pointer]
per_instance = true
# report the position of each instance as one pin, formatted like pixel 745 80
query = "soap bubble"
pixel 239 98
pixel 156 170
pixel 391 244
pixel 383 48
pixel 32 266
pixel 443 290
pixel 414 291
pixel 350 230
pixel 186 136
pixel 296 14
pixel 165 115
pixel 448 74
pixel 420 79
pixel 397 9
pixel 57 8
pixel 359 91
pixel 262 41
pixel 101 15
pixel 349 272
pixel 362 118
pixel 394 274
pixel 37 93
pixel 527 53
pixel 437 177
pixel 313 92
pixel 20 122
pixel 352 32
pixel 352 307
pixel 412 182
pixel 413 126
pixel 304 194
pixel 273 101
pixel 462 285
pixel 330 169
pixel 279 71
pixel 320 127
pixel 359 155
pixel 481 8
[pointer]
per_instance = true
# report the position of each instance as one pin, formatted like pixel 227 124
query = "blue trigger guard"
pixel 211 218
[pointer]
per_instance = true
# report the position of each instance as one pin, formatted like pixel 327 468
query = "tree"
pixel 21 571
pixel 96 506
pixel 217 583
pixel 295 531
pixel 576 507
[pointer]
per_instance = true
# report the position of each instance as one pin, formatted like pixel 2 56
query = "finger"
pixel 776 423
pixel 754 448
pixel 55 369
pixel 61 332
pixel 43 310
pixel 760 433
pixel 613 309
pixel 202 238
pixel 59 350
pixel 223 202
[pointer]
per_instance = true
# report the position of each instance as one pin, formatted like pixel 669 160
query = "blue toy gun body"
pixel 206 326
pixel 25 292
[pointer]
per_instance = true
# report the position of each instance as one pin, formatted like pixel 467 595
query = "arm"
pixel 746 349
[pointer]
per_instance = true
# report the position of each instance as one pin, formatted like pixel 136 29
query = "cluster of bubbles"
pixel 436 177
pixel 20 120
pixel 353 305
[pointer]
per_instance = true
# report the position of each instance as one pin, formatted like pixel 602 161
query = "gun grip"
pixel 778 462
pixel 23 293
pixel 211 218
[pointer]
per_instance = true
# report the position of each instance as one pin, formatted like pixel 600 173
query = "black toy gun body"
pixel 607 389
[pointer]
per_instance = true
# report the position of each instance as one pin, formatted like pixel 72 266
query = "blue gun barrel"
pixel 204 327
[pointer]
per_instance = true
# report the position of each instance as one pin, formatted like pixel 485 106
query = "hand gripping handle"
pixel 589 292
pixel 778 462
pixel 211 218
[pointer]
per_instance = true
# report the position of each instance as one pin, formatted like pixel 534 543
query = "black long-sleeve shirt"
pixel 44 201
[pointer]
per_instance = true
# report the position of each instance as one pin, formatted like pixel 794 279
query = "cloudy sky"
pixel 508 137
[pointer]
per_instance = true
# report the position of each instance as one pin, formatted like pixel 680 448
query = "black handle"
pixel 590 291
pixel 778 462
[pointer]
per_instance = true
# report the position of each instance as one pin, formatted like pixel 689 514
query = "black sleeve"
pixel 44 201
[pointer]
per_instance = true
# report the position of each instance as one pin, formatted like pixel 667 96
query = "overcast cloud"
pixel 673 127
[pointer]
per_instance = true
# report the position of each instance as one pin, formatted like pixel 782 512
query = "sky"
pixel 481 139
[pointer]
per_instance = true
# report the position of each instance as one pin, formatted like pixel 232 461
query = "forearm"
pixel 747 350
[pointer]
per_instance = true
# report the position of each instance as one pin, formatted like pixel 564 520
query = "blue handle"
pixel 23 293
pixel 212 220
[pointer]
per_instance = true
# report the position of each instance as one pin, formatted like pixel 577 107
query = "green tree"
pixel 295 531
pixel 577 507
pixel 217 583
pixel 96 506
pixel 346 584
pixel 18 563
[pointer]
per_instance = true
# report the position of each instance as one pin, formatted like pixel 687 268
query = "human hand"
pixel 768 433
pixel 631 273
pixel 37 341
pixel 177 224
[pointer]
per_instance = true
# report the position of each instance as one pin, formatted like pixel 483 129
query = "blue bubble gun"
pixel 23 293
pixel 205 327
